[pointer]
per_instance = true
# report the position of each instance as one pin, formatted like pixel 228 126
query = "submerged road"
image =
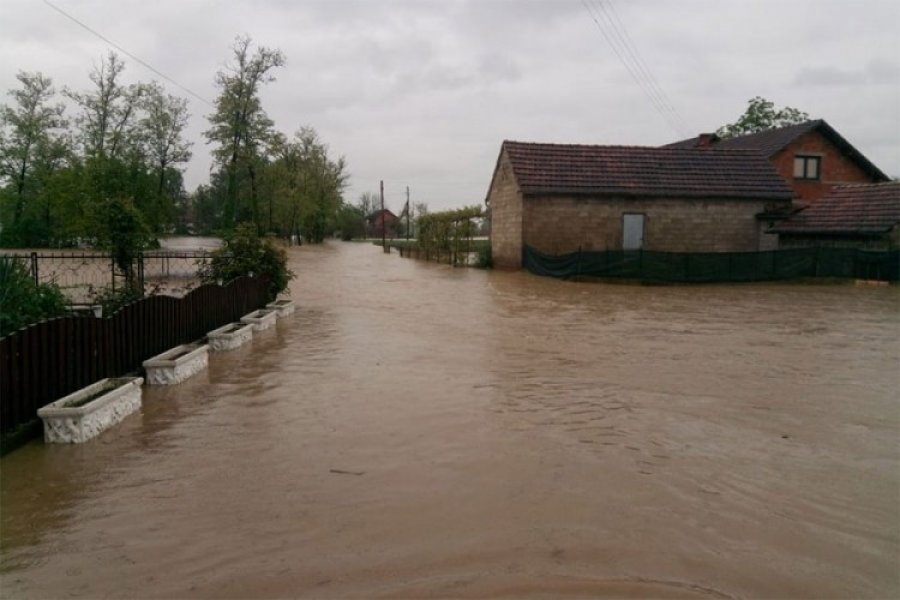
pixel 415 430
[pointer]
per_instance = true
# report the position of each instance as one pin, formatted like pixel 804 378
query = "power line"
pixel 616 41
pixel 129 54
pixel 632 50
pixel 638 70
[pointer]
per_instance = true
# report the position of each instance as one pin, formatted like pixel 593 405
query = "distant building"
pixel 559 198
pixel 811 156
pixel 863 216
pixel 379 223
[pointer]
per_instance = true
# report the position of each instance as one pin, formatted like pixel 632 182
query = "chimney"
pixel 704 140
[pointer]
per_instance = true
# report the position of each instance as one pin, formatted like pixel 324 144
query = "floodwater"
pixel 415 430
pixel 181 243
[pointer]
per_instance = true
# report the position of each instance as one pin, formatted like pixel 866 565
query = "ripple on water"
pixel 421 431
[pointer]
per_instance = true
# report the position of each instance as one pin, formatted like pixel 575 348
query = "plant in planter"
pixel 86 413
pixel 261 319
pixel 282 306
pixel 177 364
pixel 230 336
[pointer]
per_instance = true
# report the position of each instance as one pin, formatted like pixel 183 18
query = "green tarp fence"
pixel 717 267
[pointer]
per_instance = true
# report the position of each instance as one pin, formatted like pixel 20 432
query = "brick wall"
pixel 836 167
pixel 506 217
pixel 563 224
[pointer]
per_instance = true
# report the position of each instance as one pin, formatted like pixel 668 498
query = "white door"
pixel 632 232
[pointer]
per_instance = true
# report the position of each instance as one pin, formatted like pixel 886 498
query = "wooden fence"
pixel 49 360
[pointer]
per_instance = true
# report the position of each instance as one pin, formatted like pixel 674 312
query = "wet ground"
pixel 415 430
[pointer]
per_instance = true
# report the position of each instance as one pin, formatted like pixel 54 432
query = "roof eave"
pixel 606 193
pixel 867 231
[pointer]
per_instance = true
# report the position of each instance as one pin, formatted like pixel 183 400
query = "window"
pixel 807 167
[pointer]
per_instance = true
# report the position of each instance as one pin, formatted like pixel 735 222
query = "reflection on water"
pixel 420 431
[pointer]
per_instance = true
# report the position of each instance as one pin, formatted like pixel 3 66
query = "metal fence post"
pixel 140 262
pixel 34 267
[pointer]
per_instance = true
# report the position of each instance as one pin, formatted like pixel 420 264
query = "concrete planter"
pixel 175 365
pixel 261 319
pixel 86 413
pixel 230 336
pixel 282 307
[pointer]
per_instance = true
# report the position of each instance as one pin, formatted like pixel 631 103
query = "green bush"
pixel 22 301
pixel 112 300
pixel 122 231
pixel 485 258
pixel 245 253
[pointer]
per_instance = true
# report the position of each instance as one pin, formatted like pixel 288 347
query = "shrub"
pixel 112 300
pixel 123 232
pixel 245 253
pixel 22 301
pixel 485 258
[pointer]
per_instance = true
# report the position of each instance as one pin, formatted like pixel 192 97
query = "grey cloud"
pixel 442 82
pixel 875 72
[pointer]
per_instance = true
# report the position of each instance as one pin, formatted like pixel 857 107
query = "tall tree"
pixel 368 203
pixel 307 183
pixel 107 111
pixel 239 126
pixel 162 131
pixel 30 138
pixel 760 116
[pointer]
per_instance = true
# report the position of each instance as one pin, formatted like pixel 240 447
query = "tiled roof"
pixel 570 169
pixel 768 142
pixel 849 209
pixel 771 141
pixel 387 213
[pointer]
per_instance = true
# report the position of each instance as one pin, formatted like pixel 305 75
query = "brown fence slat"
pixel 5 368
pixel 49 360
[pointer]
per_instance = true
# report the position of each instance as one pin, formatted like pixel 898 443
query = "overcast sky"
pixel 422 93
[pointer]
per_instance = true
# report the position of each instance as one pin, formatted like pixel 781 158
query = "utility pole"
pixel 383 240
pixel 407 213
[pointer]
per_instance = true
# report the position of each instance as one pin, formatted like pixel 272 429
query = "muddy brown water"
pixel 415 430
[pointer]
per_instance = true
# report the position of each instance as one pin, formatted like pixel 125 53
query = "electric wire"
pixel 616 41
pixel 620 49
pixel 128 54
pixel 632 50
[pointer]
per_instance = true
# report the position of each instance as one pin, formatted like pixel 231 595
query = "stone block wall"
pixel 506 217
pixel 557 225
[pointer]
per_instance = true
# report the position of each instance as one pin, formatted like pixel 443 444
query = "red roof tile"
pixel 571 169
pixel 849 209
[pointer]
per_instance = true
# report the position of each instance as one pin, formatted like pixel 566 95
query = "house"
pixel 812 156
pixel 559 198
pixel 379 223
pixel 863 216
